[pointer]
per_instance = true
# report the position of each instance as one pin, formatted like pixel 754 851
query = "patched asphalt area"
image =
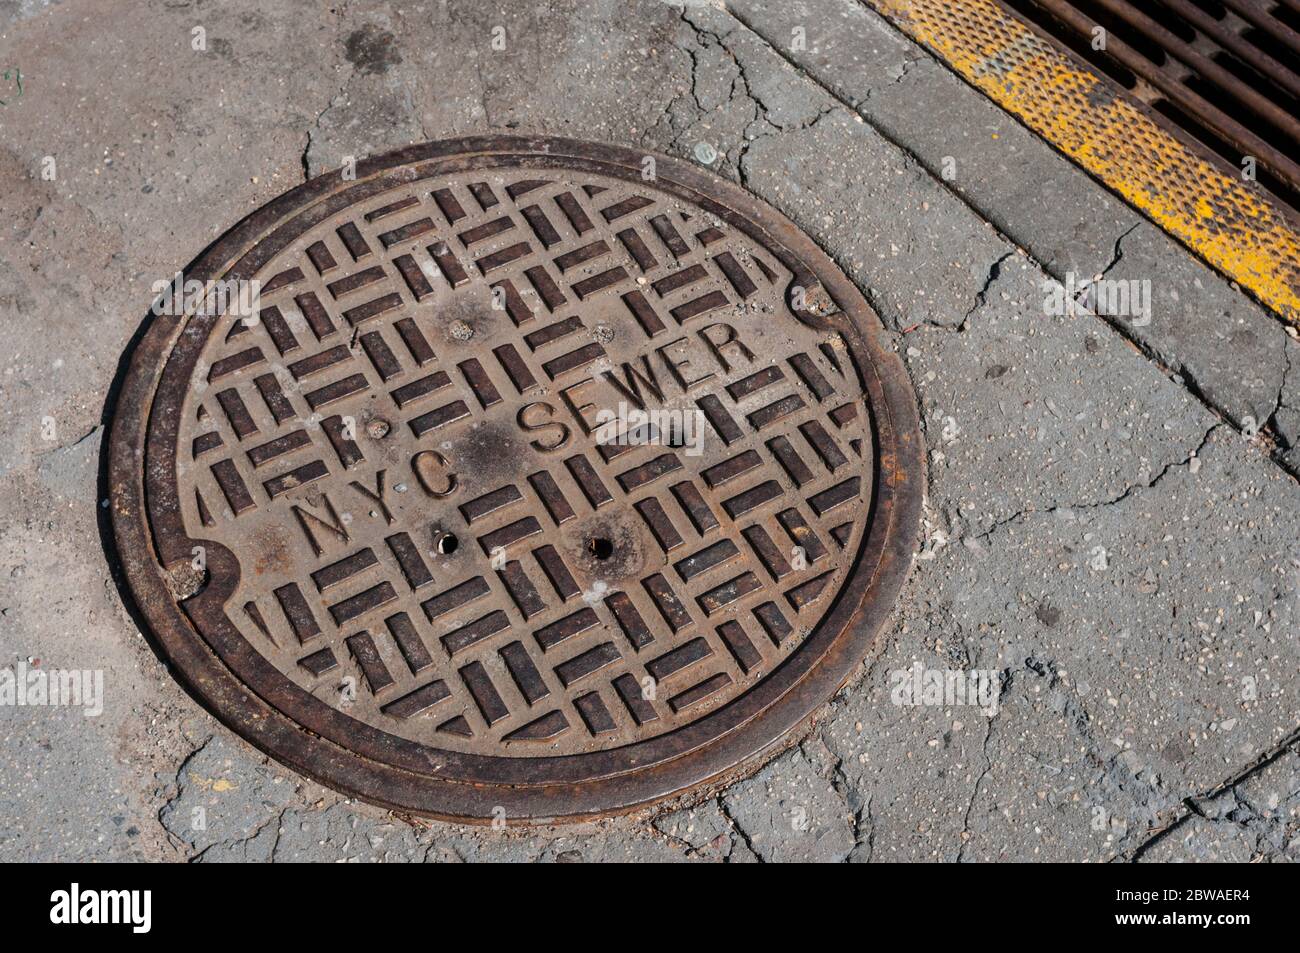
pixel 1105 531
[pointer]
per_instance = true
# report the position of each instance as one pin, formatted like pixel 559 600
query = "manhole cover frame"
pixel 759 723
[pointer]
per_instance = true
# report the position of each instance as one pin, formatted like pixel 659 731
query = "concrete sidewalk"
pixel 1109 524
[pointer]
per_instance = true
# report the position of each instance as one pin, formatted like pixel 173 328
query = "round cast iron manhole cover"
pixel 547 479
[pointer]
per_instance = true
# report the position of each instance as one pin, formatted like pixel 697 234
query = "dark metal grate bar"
pixel 1221 72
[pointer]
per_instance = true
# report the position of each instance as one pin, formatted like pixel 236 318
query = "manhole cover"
pixel 547 479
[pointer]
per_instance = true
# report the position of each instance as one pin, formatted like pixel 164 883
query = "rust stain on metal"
pixel 534 489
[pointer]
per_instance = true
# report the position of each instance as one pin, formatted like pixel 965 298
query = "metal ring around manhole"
pixel 542 479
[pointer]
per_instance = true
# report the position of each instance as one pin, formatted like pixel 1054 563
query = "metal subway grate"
pixel 1238 226
pixel 1223 72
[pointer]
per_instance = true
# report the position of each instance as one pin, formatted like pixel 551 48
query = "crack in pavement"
pixel 704 37
pixel 1098 504
pixel 1117 252
pixel 1005 679
pixel 1113 769
pixel 1279 402
pixel 840 784
pixel 232 843
pixel 1191 803
pixel 336 100
pixel 981 299
pixel 740 831
pixel 65 447
pixel 1179 373
pixel 314 128
pixel 742 86
pixel 180 786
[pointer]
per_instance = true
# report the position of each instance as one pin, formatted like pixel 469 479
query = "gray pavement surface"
pixel 1106 531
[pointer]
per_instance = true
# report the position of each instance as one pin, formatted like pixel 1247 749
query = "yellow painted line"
pixel 1226 220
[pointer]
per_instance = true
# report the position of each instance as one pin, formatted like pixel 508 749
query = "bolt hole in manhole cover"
pixel 533 484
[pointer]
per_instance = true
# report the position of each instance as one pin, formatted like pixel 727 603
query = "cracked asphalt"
pixel 1112 513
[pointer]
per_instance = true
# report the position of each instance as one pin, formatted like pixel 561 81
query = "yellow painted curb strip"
pixel 1227 221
